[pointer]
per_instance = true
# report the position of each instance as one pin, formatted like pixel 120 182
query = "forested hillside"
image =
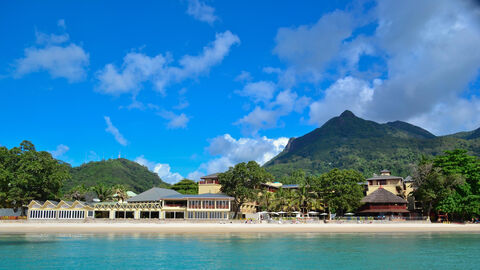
pixel 350 142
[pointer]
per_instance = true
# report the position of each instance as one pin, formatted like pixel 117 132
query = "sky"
pixel 191 87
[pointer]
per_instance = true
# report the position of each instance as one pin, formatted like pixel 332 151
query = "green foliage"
pixel 339 189
pixel 186 187
pixel 77 193
pixel 26 174
pixel 449 183
pixel 242 182
pixel 349 142
pixel 111 172
pixel 103 192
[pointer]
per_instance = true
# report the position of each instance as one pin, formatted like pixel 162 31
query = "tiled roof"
pixel 382 195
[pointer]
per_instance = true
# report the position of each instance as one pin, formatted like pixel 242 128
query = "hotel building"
pixel 155 203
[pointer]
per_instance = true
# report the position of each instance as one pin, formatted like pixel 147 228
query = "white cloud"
pixel 309 48
pixel 267 117
pixel 175 120
pixel 433 55
pixel 458 115
pixel 54 55
pixel 261 91
pixel 201 11
pixel 345 94
pixel 230 151
pixel 426 57
pixel 60 151
pixel 115 132
pixel 138 68
pixel 162 169
pixel 244 76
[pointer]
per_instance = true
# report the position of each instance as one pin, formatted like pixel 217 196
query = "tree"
pixel 339 190
pixel 120 192
pixel 266 200
pixel 103 192
pixel 433 188
pixel 242 183
pixel 27 174
pixel 464 201
pixel 77 193
pixel 186 186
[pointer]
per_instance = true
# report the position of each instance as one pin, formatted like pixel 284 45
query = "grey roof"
pixel 8 212
pixel 385 171
pixel 408 179
pixel 153 194
pixel 382 195
pixel 384 177
pixel 199 196
pixel 210 176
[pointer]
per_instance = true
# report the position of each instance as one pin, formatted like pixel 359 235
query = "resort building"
pixel 395 184
pixel 62 210
pixel 209 184
pixel 155 203
pixel 273 187
pixel 382 202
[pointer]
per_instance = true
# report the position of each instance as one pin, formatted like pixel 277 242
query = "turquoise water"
pixel 240 251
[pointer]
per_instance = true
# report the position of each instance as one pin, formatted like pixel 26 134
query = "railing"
pixel 208 182
pixel 175 205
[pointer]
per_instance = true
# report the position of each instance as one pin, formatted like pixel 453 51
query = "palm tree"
pixel 120 192
pixel 266 200
pixel 103 192
pixel 304 198
pixel 77 193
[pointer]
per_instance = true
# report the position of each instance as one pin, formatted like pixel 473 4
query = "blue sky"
pixel 191 87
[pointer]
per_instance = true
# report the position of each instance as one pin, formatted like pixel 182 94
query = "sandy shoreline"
pixel 231 228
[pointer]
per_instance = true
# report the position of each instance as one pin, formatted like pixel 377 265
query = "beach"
pixel 119 227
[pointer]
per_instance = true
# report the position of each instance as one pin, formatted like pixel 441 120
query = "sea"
pixel 241 251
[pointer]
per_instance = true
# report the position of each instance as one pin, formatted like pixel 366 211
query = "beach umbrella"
pixel 349 214
pixel 313 213
pixel 323 214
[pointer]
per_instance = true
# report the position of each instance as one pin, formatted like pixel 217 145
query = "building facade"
pixel 395 184
pixel 155 203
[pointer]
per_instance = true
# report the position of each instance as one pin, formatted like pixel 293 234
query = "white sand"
pixel 117 227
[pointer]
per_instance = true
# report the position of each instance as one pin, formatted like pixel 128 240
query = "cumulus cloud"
pixel 115 132
pixel 244 76
pixel 267 117
pixel 261 91
pixel 310 48
pixel 426 58
pixel 162 169
pixel 229 151
pixel 55 55
pixel 175 120
pixel 433 55
pixel 201 11
pixel 60 151
pixel 345 94
pixel 138 68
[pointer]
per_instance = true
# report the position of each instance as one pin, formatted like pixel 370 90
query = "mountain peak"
pixel 347 113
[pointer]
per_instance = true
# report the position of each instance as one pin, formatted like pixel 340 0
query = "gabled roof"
pixel 382 195
pixel 153 194
pixel 210 176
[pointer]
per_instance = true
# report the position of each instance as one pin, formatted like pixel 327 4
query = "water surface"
pixel 241 251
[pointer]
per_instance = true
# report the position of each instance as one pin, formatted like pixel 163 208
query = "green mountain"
pixel 114 171
pixel 350 142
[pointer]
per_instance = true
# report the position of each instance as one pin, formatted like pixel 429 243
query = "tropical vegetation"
pixel 449 184
pixel 350 142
